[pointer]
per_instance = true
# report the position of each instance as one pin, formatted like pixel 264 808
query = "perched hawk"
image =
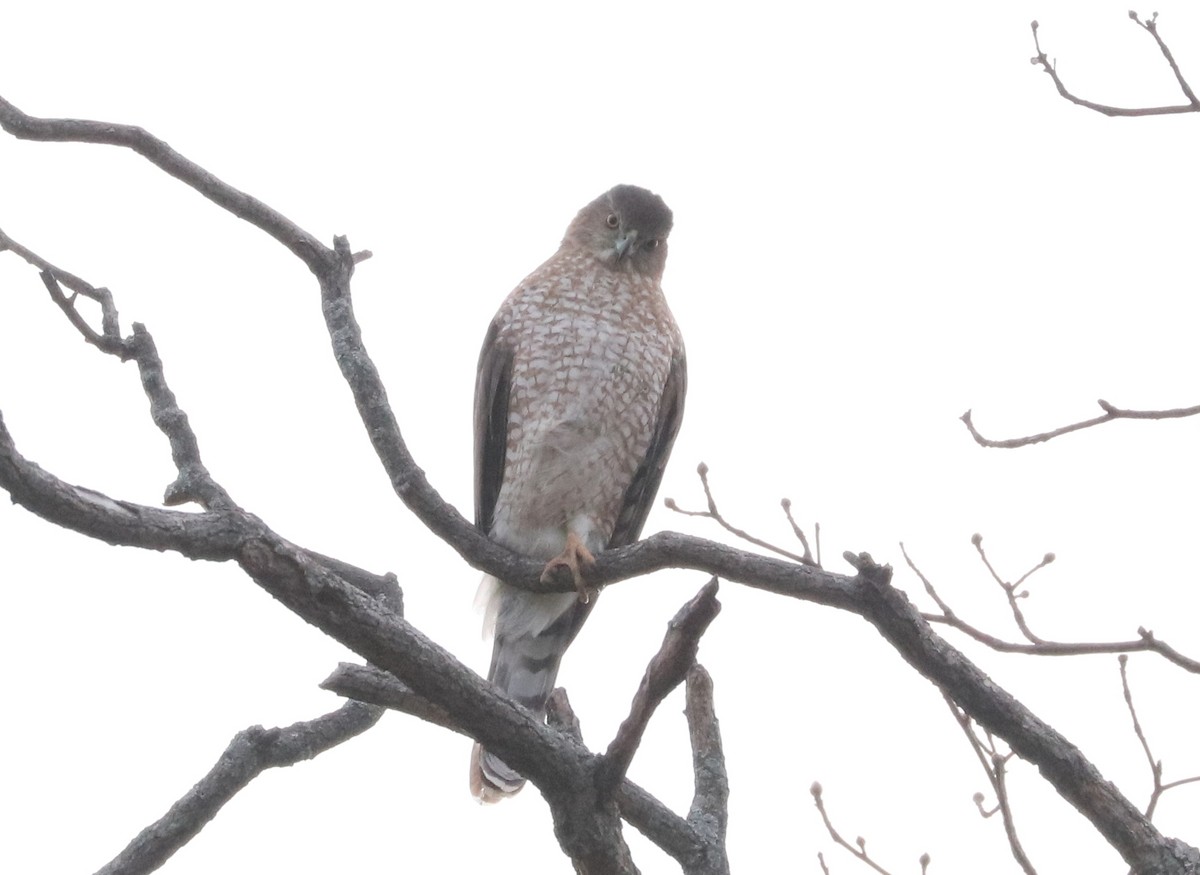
pixel 578 400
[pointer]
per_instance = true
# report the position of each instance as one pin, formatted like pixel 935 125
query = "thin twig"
pixel 1012 591
pixel 808 559
pixel 713 514
pixel 858 849
pixel 1147 642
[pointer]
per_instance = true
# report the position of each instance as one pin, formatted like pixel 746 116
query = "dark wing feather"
pixel 640 494
pixel 493 385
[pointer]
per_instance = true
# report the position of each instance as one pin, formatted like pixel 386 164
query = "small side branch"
pixel 251 752
pixel 1110 413
pixel 1040 646
pixel 666 671
pixel 715 515
pixel 1150 25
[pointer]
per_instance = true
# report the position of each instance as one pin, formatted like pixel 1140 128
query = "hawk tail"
pixel 531 634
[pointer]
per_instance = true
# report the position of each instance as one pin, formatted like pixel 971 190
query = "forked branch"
pixel 1156 765
pixel 1150 25
pixel 1035 645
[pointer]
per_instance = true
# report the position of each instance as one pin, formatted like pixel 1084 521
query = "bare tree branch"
pixel 1110 413
pixel 319 597
pixel 1150 25
pixel 251 752
pixel 586 827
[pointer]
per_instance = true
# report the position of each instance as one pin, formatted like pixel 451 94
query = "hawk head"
pixel 626 228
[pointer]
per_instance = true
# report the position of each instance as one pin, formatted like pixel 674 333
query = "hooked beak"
pixel 625 243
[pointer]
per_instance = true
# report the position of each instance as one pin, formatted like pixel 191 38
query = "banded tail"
pixel 531 632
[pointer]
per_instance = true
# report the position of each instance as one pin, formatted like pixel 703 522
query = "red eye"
pixel 612 220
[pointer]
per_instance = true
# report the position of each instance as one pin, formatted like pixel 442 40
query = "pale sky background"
pixel 884 216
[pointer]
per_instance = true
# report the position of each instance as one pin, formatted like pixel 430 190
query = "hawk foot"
pixel 574 557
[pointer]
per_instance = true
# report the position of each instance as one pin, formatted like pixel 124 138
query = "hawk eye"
pixel 650 245
pixel 612 220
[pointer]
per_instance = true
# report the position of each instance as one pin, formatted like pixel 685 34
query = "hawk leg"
pixel 574 557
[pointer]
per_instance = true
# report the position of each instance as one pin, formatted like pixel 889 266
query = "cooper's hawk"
pixel 578 401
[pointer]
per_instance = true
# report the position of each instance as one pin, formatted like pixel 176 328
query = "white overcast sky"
pixel 884 216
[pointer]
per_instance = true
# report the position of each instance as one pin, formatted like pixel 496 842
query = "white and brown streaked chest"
pixel 591 351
